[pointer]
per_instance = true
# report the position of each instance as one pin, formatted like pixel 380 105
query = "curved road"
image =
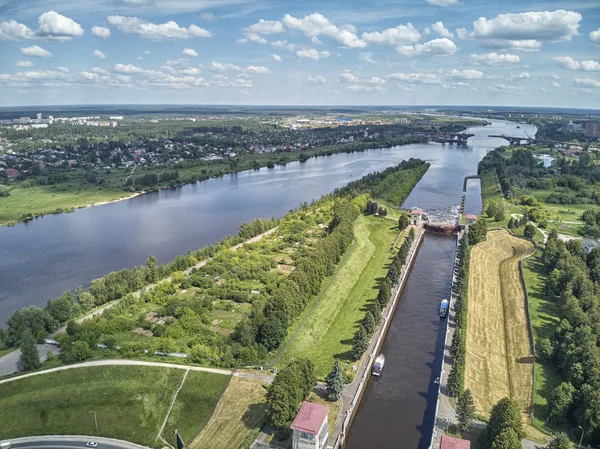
pixel 70 441
pixel 262 377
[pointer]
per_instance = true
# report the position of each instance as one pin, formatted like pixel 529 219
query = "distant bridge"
pixel 459 139
pixel 518 140
pixel 514 140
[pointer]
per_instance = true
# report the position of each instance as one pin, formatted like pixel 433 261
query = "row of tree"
pixel 458 346
pixel 372 318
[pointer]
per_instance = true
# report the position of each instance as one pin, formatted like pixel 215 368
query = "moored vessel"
pixel 377 368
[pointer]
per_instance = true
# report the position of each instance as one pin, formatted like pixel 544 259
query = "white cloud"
pixel 567 62
pixel 156 32
pixel 316 80
pixel 63 69
pixel 136 2
pixel 276 57
pixel 100 71
pixel 519 76
pixel 223 68
pixel 257 70
pixel 37 52
pixel 524 31
pixel 435 47
pixel 364 88
pixel 101 32
pixel 555 84
pixel 443 3
pixel 367 57
pixel 347 77
pixel 402 34
pixel 439 28
pixel 208 16
pixel 405 88
pixel 147 52
pixel 98 54
pixel 52 26
pixel 24 64
pixel 316 24
pixel 595 37
pixel 182 62
pixel 127 68
pixel 140 58
pixel 416 78
pixel 555 77
pixel 190 52
pixel 469 74
pixel 311 53
pixel 505 88
pixel 252 37
pixel 586 83
pixel 264 27
pixel 494 59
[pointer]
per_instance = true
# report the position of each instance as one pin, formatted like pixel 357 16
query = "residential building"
pixel 592 129
pixel 449 442
pixel 310 428
pixel 573 127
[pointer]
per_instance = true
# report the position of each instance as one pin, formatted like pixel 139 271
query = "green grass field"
pixel 46 200
pixel 328 332
pixel 131 402
pixel 544 320
pixel 194 405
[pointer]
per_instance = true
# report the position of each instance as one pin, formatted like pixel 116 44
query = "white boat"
pixel 377 368
pixel 444 306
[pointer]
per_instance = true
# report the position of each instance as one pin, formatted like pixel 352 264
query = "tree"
pixel 492 209
pixel 151 269
pixel 529 231
pixel 30 358
pixel 360 343
pixel 403 221
pixel 375 309
pixel 465 409
pixel 511 223
pixel 477 232
pixel 560 441
pixel 499 215
pixel 505 415
pixel 335 382
pixel 560 402
pixel 455 380
pixel 393 274
pixel 383 296
pixel 506 439
pixel 368 322
pixel 4 191
pixel 81 351
pixel 273 331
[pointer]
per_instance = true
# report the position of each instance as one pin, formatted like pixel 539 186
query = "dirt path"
pixel 498 359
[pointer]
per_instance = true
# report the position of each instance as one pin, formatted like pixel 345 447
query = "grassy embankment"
pixel 328 332
pixel 499 362
pixel 237 417
pixel 131 403
pixel 78 193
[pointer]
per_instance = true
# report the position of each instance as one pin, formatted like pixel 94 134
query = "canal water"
pixel 41 259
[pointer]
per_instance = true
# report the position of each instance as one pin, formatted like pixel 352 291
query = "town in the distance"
pixel 258 225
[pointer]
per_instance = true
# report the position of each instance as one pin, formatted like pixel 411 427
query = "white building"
pixel 470 219
pixel 310 427
pixel 416 217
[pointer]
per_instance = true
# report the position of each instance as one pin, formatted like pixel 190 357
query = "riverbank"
pixel 25 204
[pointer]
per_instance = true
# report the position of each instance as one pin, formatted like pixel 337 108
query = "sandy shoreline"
pixel 101 203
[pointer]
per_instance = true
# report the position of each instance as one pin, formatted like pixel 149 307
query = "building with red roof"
pixel 416 217
pixel 310 427
pixel 449 442
pixel 470 219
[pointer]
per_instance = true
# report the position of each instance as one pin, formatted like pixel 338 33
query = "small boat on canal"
pixel 377 368
pixel 444 306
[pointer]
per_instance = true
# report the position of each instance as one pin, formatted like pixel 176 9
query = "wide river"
pixel 41 259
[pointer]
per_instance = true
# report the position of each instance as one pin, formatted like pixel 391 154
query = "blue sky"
pixel 470 52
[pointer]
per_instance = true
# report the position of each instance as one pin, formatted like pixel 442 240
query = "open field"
pixel 498 360
pixel 328 332
pixel 130 402
pixel 239 411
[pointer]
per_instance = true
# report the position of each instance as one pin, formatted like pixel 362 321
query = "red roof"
pixel 416 212
pixel 449 442
pixel 310 418
pixel 470 217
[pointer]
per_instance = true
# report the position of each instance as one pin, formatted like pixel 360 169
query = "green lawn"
pixel 47 200
pixel 544 320
pixel 194 405
pixel 328 332
pixel 131 402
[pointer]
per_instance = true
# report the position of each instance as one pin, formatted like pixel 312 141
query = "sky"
pixel 269 52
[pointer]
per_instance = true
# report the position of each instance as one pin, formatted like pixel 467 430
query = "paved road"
pixel 70 441
pixel 260 376
pixel 10 362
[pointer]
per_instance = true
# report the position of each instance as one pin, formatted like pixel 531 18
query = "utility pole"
pixel 582 432
pixel 95 420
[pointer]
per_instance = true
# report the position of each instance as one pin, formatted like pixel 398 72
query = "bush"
pixel 4 191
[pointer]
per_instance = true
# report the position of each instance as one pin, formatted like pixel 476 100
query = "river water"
pixel 41 259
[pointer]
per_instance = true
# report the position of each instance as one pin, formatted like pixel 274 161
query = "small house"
pixel 449 442
pixel 470 219
pixel 310 429
pixel 416 217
